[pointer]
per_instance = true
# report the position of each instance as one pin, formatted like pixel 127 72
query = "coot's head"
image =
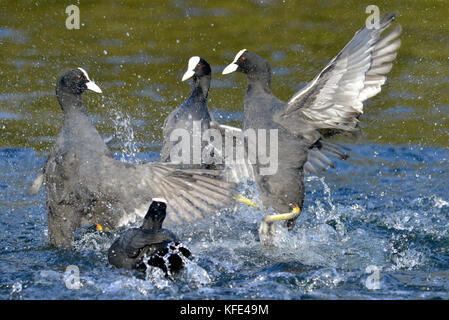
pixel 156 214
pixel 197 68
pixel 247 62
pixel 76 82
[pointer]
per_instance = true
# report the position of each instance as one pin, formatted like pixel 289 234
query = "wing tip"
pixel 388 17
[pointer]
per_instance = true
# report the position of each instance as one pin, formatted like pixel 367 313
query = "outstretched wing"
pixel 190 193
pixel 333 101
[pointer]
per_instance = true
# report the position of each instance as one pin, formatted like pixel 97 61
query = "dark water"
pixel 385 209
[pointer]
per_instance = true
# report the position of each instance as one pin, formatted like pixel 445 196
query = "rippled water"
pixel 386 208
pixel 383 214
pixel 138 50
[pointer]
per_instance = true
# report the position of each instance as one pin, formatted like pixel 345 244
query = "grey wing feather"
pixel 334 99
pixel 190 193
pixel 318 156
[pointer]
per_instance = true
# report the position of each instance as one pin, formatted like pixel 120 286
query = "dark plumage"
pixel 86 185
pixel 331 104
pixel 149 245
pixel 195 108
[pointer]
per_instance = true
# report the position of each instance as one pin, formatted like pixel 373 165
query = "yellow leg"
pixel 247 201
pixel 266 226
pixel 283 216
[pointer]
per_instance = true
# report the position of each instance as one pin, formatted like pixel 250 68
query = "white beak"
pixel 90 85
pixel 230 68
pixel 189 74
pixel 193 61
pixel 93 87
pixel 233 66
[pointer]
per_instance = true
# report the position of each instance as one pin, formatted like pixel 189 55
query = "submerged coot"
pixel 150 244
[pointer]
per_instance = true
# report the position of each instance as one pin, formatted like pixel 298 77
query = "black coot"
pixel 150 244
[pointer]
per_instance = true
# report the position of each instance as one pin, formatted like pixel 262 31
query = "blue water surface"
pixel 374 227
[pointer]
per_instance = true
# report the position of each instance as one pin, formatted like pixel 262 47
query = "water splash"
pixel 157 278
pixel 124 132
pixel 403 233
pixel 16 290
pixel 329 216
pixel 194 275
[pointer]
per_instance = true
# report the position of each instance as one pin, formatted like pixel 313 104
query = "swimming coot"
pixel 149 245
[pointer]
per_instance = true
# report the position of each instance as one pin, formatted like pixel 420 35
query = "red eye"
pixel 79 77
pixel 199 65
pixel 243 58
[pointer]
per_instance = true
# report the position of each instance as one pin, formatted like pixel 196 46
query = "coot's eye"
pixel 242 58
pixel 199 65
pixel 79 77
